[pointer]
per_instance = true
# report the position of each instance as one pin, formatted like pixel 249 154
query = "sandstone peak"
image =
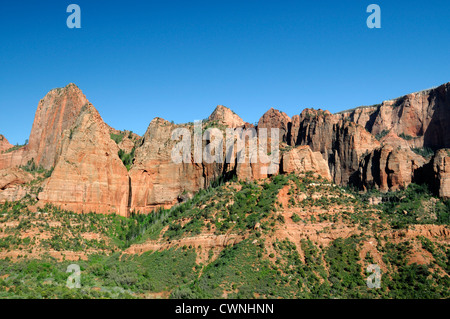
pixel 4 144
pixel 69 88
pixel 159 120
pixel 276 119
pixel 226 117
pixel 88 175
pixel 310 112
pixel 275 115
pixel 56 112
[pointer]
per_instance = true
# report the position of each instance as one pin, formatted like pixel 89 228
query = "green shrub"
pixel 117 137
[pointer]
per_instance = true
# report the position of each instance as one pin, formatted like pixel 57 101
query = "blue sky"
pixel 136 60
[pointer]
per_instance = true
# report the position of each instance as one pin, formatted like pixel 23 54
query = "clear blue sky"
pixel 136 60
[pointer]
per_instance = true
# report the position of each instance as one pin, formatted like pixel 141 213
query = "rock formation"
pixel 226 117
pixel 367 146
pixel 4 144
pixel 419 117
pixel 89 175
pixel 155 179
pixel 276 119
pixel 341 143
pixel 12 181
pixel 302 159
pixel 441 168
pixel 56 112
pixel 389 168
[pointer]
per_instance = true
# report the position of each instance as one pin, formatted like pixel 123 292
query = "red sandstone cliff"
pixel 56 112
pixel 4 144
pixel 422 117
pixel 88 176
pixel 69 135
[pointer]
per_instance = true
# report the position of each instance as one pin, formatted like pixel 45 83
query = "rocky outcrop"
pixel 301 159
pixel 341 143
pixel 276 119
pixel 12 177
pixel 225 117
pixel 389 168
pixel 56 112
pixel 394 140
pixel 69 135
pixel 4 144
pixel 255 167
pixel 421 117
pixel 441 169
pixel 156 180
pixel 13 157
pixel 12 181
pixel 313 128
pixel 88 176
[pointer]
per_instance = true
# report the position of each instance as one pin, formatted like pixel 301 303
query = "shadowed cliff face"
pixel 341 143
pixel 389 168
pixel 441 169
pixel 90 174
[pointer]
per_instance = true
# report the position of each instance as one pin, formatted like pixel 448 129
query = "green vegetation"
pixel 382 134
pixel 412 281
pixel 127 158
pixel 414 205
pixel 113 276
pixel 405 136
pixel 31 167
pixel 14 148
pixel 424 151
pixel 296 218
pixel 262 264
pixel 344 271
pixel 117 137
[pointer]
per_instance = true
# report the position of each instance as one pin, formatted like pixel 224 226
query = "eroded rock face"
pixel 313 128
pixel 341 143
pixel 12 181
pixel 88 176
pixel 13 158
pixel 226 117
pixel 420 117
pixel 441 168
pixel 156 180
pixel 256 165
pixel 301 159
pixel 69 134
pixel 4 144
pixel 9 158
pixel 56 112
pixel 276 119
pixel 389 168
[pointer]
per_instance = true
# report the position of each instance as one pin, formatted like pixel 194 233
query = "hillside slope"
pixel 289 236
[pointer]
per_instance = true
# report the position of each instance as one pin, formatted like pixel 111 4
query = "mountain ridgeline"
pixel 364 188
pixel 91 167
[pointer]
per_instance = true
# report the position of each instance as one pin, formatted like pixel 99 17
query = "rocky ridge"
pixel 370 147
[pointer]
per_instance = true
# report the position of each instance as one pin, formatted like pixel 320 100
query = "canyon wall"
pixel 369 147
